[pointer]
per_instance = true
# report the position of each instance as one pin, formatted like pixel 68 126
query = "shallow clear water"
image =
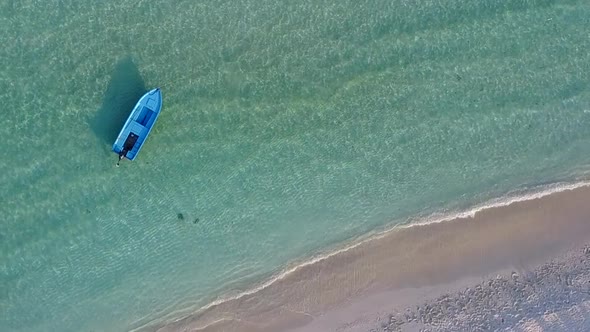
pixel 286 128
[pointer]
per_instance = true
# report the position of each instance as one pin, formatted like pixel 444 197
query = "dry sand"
pixel 516 267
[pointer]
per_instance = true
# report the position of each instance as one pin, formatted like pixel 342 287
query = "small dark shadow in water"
pixel 123 92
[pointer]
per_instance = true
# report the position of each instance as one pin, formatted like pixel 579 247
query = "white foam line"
pixel 221 320
pixel 433 218
pixel 501 202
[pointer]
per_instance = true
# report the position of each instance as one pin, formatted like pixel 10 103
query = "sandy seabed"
pixel 523 266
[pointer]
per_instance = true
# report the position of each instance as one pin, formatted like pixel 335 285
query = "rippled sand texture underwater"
pixel 286 129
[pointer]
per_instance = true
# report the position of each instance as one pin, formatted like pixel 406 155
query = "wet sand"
pixel 466 262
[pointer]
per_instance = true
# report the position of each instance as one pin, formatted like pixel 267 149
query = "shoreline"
pixel 506 232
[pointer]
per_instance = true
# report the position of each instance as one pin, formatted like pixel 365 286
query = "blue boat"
pixel 138 125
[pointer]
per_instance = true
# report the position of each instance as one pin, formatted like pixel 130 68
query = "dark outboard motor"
pixel 128 145
pixel 121 155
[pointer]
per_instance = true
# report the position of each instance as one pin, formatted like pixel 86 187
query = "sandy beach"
pixel 522 266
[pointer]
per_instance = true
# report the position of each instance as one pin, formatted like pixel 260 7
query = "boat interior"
pixel 145 115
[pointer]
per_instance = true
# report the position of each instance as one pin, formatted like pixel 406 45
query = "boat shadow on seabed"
pixel 125 88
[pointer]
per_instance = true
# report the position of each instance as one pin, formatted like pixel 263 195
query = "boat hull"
pixel 139 124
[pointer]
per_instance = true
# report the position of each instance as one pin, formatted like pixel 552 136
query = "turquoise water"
pixel 286 128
